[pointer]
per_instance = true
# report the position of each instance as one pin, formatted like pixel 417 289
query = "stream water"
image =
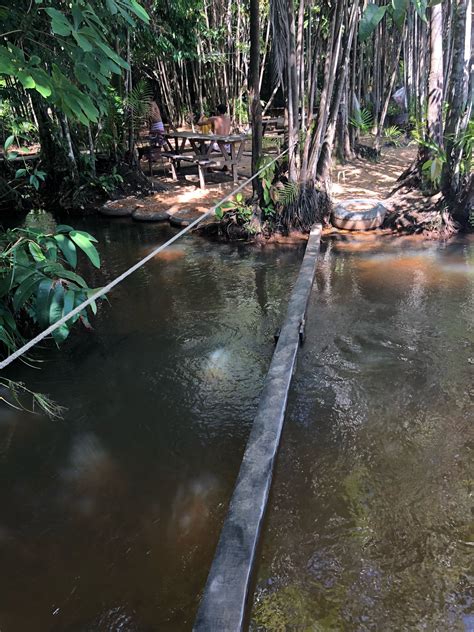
pixel 110 517
pixel 370 523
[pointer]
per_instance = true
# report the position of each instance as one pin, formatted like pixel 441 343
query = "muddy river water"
pixel 110 517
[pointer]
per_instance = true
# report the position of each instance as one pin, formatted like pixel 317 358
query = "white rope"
pixel 34 341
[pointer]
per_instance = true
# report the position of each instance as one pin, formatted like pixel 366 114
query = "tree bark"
pixel 254 93
pixel 459 98
pixel 434 121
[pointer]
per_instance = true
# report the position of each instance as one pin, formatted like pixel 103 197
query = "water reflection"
pixel 372 500
pixel 110 518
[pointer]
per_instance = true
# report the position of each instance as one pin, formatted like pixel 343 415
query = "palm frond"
pixel 393 135
pixel 289 193
pixel 308 207
pixel 362 120
pixel 139 101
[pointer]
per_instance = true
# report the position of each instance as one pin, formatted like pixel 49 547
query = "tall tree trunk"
pixel 389 90
pixel 459 99
pixel 330 66
pixel 325 158
pixel 254 93
pixel 434 122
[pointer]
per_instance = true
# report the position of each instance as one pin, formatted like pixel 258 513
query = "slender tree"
pixel 254 92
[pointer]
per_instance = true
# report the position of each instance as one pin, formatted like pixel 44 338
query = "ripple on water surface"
pixel 110 518
pixel 370 524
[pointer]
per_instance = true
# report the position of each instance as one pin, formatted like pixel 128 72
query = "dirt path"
pixel 362 178
pixel 357 178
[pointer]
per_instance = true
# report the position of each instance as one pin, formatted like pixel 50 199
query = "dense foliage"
pixel 39 283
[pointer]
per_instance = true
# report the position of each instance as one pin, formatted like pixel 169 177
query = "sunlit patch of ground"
pixel 185 192
pixel 358 178
pixel 362 178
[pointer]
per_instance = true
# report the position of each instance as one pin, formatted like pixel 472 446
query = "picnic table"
pixel 277 124
pixel 230 148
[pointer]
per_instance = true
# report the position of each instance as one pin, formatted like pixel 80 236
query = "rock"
pixel 149 209
pixel 183 217
pixel 358 214
pixel 120 208
pixel 147 215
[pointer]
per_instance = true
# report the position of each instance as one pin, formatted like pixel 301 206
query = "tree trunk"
pixel 325 158
pixel 434 121
pixel 254 93
pixel 459 99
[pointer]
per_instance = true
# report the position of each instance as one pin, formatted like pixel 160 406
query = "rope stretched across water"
pixel 47 332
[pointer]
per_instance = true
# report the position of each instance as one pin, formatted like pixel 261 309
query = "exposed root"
pixel 413 213
pixel 311 206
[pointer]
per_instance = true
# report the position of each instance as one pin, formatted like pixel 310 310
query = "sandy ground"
pixel 357 178
pixel 362 178
pixel 186 194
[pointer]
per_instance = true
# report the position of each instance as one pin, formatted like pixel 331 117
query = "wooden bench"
pixel 175 163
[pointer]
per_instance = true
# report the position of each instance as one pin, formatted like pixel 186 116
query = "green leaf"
pixel 420 7
pixel 139 11
pixel 107 66
pixel 26 79
pixel 82 41
pixel 64 228
pixel 34 181
pixel 24 291
pixel 68 249
pixel 84 243
pixel 19 173
pixel 219 212
pixel 56 304
pixel 111 6
pixel 8 143
pixel 86 235
pixel 77 15
pixel 42 302
pixel 36 252
pixel 42 82
pixel 93 305
pixel 62 332
pixel 399 11
pixel 72 276
pixel 113 55
pixel 59 22
pixel 51 249
pixel 370 19
pixel 69 299
pixel 7 66
pixel 83 75
pixel 88 107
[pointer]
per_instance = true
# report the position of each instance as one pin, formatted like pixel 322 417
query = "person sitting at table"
pixel 220 125
pixel 157 129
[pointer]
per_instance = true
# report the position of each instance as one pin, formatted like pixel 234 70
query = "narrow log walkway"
pixel 224 601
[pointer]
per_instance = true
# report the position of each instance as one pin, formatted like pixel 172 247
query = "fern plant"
pixel 363 121
pixel 289 193
pixel 393 135
pixel 138 103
